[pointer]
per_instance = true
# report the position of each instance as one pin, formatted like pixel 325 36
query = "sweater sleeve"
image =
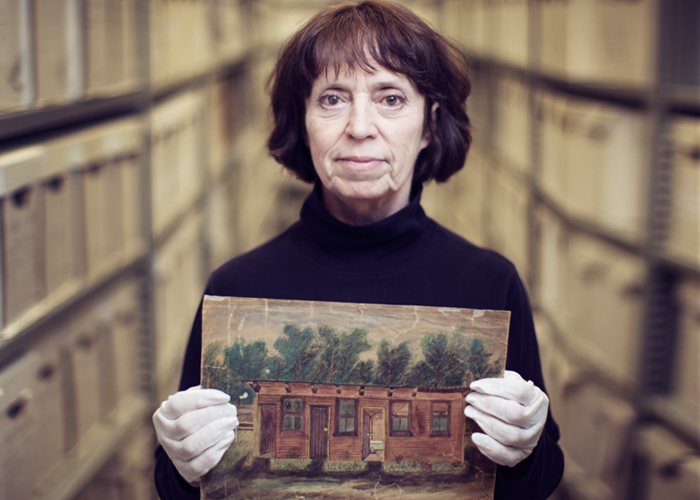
pixel 537 476
pixel 170 485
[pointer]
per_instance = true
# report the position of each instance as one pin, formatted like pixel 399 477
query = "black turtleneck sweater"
pixel 406 259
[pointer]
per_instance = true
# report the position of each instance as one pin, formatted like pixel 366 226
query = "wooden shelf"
pixel 104 439
pixel 685 98
pixel 19 332
pixel 43 120
pixel 674 418
pixel 629 96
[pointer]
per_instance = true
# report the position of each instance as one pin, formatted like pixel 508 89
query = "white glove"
pixel 511 412
pixel 195 428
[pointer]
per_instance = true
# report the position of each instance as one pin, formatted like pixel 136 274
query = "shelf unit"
pixel 637 378
pixel 140 36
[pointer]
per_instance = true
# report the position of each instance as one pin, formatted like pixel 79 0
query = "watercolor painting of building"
pixel 335 399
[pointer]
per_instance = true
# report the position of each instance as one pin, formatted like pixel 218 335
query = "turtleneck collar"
pixel 380 246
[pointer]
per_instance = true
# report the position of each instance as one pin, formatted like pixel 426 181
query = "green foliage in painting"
pixel 298 349
pixel 331 356
pixel 479 363
pixel 362 373
pixel 392 364
pixel 338 353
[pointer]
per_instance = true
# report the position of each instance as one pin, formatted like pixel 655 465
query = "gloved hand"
pixel 511 412
pixel 195 428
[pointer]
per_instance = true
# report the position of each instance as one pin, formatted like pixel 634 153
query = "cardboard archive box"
pixel 459 204
pixel 686 376
pixel 158 43
pixel 102 192
pixel 128 474
pixel 50 406
pixel 513 122
pixel 611 41
pixel 674 467
pixel 122 144
pixel 605 168
pixel 126 325
pixel 104 47
pixel 605 304
pixel 595 434
pixel 51 21
pixel 220 127
pixel 552 107
pixel 179 278
pixel 557 370
pixel 177 155
pixel 193 54
pixel 684 231
pixel 21 206
pixel 608 42
pixel 476 28
pixel 552 16
pixel 62 215
pixel 16 56
pixel 165 178
pixel 553 266
pixel 92 385
pixel 131 158
pixel 508 226
pixel 31 429
pixel 453 16
pixel 220 225
pixel 191 155
pixel 232 30
pixel 510 25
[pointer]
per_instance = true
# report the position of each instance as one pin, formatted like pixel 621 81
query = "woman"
pixel 369 104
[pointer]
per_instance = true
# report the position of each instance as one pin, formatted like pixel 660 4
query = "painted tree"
pixel 362 373
pixel 443 364
pixel 479 363
pixel 392 364
pixel 338 353
pixel 275 368
pixel 214 374
pixel 244 361
pixel 298 349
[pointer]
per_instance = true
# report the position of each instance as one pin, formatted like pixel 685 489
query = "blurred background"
pixel 132 163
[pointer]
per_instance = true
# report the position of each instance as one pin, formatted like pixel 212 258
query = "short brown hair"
pixel 383 33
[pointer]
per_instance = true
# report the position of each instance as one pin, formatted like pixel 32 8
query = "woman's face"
pixel 365 131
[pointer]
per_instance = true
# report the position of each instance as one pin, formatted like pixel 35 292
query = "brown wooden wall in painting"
pixel 318 432
pixel 433 425
pixel 268 426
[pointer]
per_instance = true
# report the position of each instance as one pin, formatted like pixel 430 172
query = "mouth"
pixel 360 162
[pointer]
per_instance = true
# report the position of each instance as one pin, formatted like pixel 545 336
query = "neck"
pixel 362 212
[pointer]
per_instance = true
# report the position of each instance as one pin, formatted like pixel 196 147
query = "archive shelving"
pixel 98 102
pixel 587 114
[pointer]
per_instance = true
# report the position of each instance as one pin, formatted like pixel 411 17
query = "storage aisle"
pixel 133 162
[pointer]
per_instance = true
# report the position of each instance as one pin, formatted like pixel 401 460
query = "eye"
pixel 393 101
pixel 330 100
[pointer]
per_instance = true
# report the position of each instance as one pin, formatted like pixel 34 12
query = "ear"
pixel 427 134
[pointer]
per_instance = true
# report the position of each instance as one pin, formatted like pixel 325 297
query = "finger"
pixel 504 433
pixel 193 421
pixel 511 411
pixel 512 386
pixel 502 455
pixel 186 401
pixel 192 470
pixel 197 443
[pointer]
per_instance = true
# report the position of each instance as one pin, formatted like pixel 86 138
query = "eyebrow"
pixel 373 86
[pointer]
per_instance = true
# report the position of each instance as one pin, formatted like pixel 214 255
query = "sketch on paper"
pixel 345 400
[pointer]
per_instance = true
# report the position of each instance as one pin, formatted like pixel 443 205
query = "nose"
pixel 360 121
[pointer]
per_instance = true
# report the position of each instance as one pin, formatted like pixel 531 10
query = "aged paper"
pixel 349 401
